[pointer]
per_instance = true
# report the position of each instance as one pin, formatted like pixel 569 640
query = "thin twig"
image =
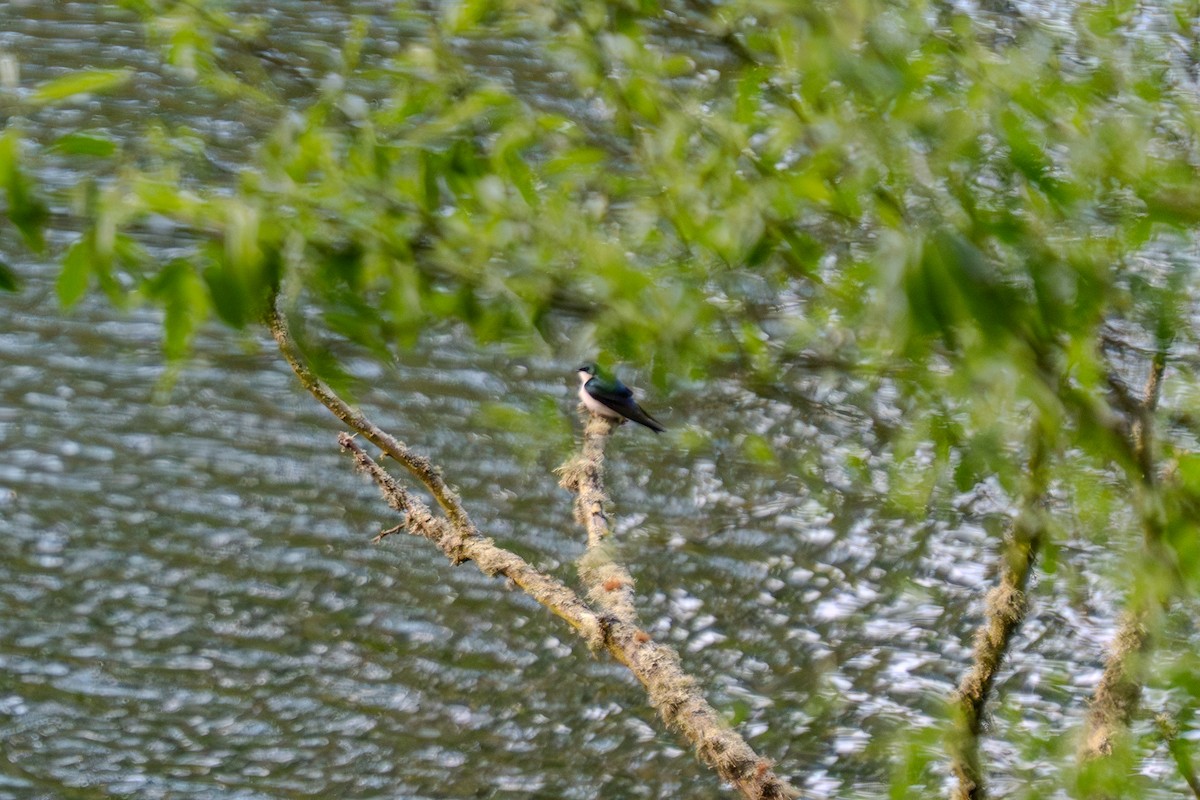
pixel 1144 419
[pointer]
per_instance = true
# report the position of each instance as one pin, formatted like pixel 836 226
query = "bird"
pixel 608 397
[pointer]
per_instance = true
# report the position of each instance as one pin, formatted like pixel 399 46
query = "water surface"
pixel 191 605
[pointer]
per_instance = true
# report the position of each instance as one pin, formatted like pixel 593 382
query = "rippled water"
pixel 190 604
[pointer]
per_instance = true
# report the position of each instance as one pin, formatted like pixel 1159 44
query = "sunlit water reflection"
pixel 190 605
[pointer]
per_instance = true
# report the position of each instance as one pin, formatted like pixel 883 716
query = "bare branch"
pixel 672 691
pixel 1116 697
pixel 608 581
pixel 491 559
pixel 1179 752
pixel 1140 430
pixel 420 466
pixel 1006 607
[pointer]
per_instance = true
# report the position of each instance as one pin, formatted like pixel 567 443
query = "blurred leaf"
pixel 738 712
pixel 758 450
pixel 1187 466
pixel 86 144
pixel 183 297
pixel 227 294
pixel 9 281
pixel 76 271
pixel 361 325
pixel 25 209
pixel 76 83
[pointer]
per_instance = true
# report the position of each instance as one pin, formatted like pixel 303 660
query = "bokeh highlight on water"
pixel 191 606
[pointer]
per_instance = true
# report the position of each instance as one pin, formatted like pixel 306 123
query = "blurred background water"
pixel 191 606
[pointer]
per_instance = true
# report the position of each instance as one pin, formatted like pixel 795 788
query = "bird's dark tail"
pixel 642 418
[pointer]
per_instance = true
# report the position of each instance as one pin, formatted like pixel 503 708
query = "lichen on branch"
pixel 610 624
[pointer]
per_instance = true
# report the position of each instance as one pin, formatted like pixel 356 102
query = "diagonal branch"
pixel 1168 729
pixel 491 559
pixel 671 690
pixel 1006 607
pixel 421 467
pixel 1119 691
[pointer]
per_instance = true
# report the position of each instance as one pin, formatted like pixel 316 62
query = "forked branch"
pixel 671 691
pixel 420 466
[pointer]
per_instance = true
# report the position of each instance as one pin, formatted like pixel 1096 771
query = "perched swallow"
pixel 608 397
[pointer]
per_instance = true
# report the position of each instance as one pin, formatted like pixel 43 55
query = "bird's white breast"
pixel 595 406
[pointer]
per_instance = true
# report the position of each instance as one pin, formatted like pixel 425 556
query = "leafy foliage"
pixel 991 220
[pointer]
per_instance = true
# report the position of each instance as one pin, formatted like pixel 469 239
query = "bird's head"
pixel 586 372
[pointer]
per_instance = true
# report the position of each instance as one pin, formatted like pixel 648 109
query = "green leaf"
pixel 25 208
pixel 86 144
pixel 462 16
pixel 738 712
pixel 758 450
pixel 76 83
pixel 185 304
pixel 228 295
pixel 9 281
pixel 76 271
pixel 1188 470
